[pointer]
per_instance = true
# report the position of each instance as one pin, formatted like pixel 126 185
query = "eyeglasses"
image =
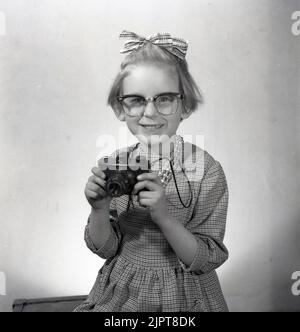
pixel 165 103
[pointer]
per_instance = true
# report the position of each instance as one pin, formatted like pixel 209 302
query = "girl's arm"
pixel 99 226
pixel 183 242
pixel 199 245
pixel 102 234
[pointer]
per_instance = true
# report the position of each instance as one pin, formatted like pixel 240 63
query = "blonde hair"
pixel 155 55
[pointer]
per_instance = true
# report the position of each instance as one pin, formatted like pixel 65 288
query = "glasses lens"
pixel 133 105
pixel 166 104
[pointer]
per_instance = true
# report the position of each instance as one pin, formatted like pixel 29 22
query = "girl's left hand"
pixel 153 197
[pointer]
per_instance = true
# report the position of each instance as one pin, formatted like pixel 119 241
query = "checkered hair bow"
pixel 176 46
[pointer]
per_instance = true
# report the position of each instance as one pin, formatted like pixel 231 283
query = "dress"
pixel 142 273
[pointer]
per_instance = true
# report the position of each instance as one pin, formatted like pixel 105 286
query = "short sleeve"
pixel 112 244
pixel 208 222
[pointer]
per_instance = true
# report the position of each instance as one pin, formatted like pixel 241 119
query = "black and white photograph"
pixel 150 156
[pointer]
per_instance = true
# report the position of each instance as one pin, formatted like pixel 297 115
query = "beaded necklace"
pixel 162 165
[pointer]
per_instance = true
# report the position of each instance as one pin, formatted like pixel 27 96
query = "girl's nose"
pixel 150 110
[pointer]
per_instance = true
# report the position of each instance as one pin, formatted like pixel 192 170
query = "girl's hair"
pixel 156 55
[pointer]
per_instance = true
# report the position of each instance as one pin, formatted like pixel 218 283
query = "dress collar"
pixel 172 152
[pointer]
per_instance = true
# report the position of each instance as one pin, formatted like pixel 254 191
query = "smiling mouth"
pixel 152 126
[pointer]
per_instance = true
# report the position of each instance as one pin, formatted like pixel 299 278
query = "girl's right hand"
pixel 95 190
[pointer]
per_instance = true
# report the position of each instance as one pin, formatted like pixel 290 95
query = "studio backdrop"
pixel 57 63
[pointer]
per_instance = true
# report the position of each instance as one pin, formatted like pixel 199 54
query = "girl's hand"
pixel 95 190
pixel 154 196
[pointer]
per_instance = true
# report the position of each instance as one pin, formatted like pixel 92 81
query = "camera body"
pixel 121 175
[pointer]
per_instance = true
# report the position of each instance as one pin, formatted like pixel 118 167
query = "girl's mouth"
pixel 152 126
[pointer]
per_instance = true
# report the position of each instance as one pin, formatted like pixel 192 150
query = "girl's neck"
pixel 162 148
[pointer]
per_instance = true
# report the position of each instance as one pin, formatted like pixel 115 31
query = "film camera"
pixel 121 175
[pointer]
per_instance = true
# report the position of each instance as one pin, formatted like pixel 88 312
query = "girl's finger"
pixel 146 202
pixel 147 184
pixel 92 178
pixel 99 181
pixel 150 176
pixel 97 171
pixel 147 194
pixel 95 187
pixel 91 194
pixel 147 176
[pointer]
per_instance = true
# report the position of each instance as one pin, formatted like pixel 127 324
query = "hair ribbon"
pixel 176 46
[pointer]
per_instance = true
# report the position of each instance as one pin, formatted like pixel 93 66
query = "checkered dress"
pixel 142 273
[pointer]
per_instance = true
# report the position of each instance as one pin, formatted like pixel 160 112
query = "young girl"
pixel 163 242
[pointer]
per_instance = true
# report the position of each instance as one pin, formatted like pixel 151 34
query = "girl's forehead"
pixel 150 78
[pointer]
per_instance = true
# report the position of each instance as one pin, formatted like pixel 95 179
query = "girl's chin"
pixel 153 139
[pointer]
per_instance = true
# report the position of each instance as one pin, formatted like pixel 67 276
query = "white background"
pixel 57 61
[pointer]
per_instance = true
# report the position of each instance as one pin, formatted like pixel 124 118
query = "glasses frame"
pixel 120 99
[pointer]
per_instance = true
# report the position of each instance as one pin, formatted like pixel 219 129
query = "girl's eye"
pixel 134 101
pixel 165 99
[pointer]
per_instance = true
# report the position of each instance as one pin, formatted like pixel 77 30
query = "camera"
pixel 121 177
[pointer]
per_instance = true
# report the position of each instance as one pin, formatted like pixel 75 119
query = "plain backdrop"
pixel 57 62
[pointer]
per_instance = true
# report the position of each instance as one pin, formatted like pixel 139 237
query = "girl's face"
pixel 149 81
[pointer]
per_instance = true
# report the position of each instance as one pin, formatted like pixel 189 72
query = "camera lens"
pixel 115 188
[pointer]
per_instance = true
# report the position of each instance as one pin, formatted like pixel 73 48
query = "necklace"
pixel 162 164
